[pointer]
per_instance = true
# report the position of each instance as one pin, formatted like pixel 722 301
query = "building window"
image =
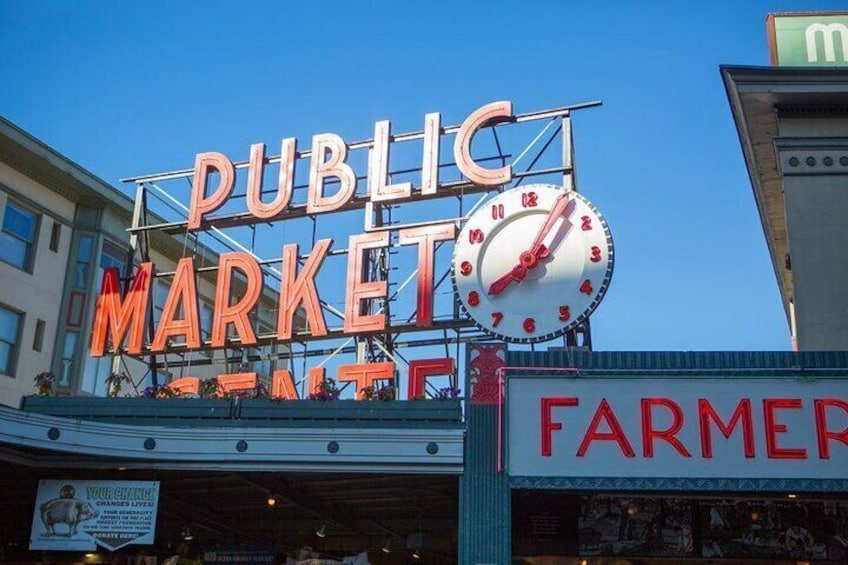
pixel 55 235
pixel 10 329
pixel 17 237
pixel 38 338
pixel 83 265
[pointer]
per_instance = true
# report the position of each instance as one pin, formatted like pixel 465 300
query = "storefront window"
pixel 555 528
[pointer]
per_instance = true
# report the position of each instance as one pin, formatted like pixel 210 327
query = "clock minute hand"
pixel 558 209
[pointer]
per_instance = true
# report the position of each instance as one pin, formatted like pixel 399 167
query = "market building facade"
pixel 306 432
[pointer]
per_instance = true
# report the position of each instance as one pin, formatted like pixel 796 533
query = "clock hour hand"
pixel 516 274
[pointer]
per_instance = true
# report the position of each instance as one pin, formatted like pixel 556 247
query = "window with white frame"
pixel 10 331
pixel 17 236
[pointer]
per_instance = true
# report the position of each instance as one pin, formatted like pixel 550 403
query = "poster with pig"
pixel 73 515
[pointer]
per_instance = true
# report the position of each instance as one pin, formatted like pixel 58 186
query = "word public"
pixel 123 317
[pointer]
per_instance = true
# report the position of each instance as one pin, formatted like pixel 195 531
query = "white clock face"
pixel 532 263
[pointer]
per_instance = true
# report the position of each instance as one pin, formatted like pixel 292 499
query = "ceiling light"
pixel 415 554
pixel 386 548
pixel 322 533
pixel 791 495
pixel 271 500
pixel 186 533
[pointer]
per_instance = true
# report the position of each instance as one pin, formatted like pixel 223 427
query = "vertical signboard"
pixel 73 515
pixel 808 39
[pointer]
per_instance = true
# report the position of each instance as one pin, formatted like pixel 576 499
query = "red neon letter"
pixel 494 112
pixel 319 169
pixel 235 314
pixel 185 385
pixel 236 381
pixel 364 374
pixel 616 433
pixel 200 203
pixel 548 426
pixel 282 385
pixel 668 434
pixel 426 238
pixel 115 318
pixel 316 376
pixel 293 290
pixel 288 154
pixel 742 412
pixel 420 369
pixel 822 433
pixel 183 292
pixel 357 291
pixel 773 428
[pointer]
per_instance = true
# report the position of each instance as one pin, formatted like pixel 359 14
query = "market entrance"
pixel 248 518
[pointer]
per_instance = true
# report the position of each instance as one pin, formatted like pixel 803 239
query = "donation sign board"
pixel 766 428
pixel 73 515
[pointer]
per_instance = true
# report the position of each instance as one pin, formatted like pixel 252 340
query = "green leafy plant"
pixel 44 383
pixel 327 391
pixel 210 388
pixel 115 383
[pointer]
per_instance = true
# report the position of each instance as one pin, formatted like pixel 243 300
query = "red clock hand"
pixel 529 259
pixel 516 274
pixel 558 209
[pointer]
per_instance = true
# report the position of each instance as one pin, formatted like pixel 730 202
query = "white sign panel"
pixel 676 428
pixel 75 515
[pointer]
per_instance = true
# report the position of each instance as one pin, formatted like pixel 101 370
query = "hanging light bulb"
pixel 322 532
pixel 415 554
pixel 385 548
pixel 186 533
pixel 272 500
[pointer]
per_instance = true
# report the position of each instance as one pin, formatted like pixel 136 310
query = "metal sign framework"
pixel 448 329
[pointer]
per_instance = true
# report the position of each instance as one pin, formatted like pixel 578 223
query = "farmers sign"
pixel 684 428
pixel 75 515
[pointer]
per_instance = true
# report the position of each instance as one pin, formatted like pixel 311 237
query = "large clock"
pixel 533 263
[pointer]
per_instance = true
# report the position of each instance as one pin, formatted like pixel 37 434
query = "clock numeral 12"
pixel 496 318
pixel 475 236
pixel 586 287
pixel 473 298
pixel 529 199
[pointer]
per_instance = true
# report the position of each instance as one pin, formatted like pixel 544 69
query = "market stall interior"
pixel 332 515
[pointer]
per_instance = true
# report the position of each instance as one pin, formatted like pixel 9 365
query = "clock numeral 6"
pixel 529 199
pixel 465 268
pixel 564 313
pixel 496 318
pixel 529 325
pixel 497 211
pixel 587 223
pixel 586 287
pixel 596 254
pixel 473 298
pixel 475 236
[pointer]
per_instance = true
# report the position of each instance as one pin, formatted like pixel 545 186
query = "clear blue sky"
pixel 125 88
